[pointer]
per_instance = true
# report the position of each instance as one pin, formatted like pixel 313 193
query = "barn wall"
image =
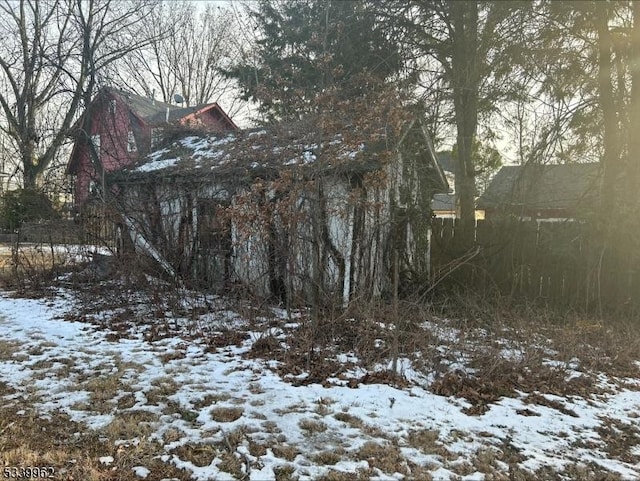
pixel 274 254
pixel 266 240
pixel 250 254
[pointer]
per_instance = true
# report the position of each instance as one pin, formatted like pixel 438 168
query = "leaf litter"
pixel 220 389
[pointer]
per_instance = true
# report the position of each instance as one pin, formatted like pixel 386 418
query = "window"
pixel 112 107
pixel 156 137
pixel 95 143
pixel 131 142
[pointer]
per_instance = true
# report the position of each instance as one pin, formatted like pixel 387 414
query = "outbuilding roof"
pixel 254 152
pixel 564 186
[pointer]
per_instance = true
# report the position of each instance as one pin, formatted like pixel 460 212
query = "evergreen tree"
pixel 308 48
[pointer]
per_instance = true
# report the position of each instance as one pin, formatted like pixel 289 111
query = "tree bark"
pixel 633 161
pixel 611 141
pixel 466 82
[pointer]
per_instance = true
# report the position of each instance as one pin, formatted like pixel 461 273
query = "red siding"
pixel 211 117
pixel 113 126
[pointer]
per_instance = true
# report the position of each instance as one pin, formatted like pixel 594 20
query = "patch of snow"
pixel 353 153
pixel 551 438
pixel 156 165
pixel 158 154
pixel 222 141
pixel 309 157
pixel 141 472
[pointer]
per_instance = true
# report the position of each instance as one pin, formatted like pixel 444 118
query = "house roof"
pixel 564 186
pixel 443 202
pixel 258 151
pixel 154 112
pixel 144 107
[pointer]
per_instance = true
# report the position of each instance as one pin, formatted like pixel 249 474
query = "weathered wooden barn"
pixel 288 212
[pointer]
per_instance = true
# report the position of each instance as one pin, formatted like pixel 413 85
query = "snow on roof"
pixel 249 150
pixel 156 165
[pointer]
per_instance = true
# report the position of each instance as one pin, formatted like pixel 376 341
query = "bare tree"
pixel 51 58
pixel 474 42
pixel 187 45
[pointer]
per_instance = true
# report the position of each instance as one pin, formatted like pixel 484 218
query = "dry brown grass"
pixel 8 349
pixel 256 448
pixel 328 457
pixel 163 388
pixel 126 401
pixel 231 464
pixel 312 426
pixel 172 435
pixel 73 451
pixel 285 451
pixel 198 454
pixel 386 457
pixel 522 348
pixel 360 475
pixel 323 406
pixel 30 267
pixel 285 473
pixel 131 424
pixel 612 347
pixel 103 390
pixel 300 407
pixel 495 376
pixel 226 414
pixel 211 399
pixel 620 439
pixel 425 440
pixel 374 431
pixel 353 421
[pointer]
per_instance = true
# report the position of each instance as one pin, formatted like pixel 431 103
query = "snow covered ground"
pixel 218 414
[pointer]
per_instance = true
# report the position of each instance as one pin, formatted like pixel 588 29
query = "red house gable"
pixel 121 128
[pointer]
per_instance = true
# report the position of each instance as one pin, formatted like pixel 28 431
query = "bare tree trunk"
pixel 466 83
pixel 610 255
pixel 633 161
pixel 395 347
pixel 611 157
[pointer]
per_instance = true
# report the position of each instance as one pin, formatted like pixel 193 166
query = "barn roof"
pixel 563 186
pixel 204 154
pixel 264 150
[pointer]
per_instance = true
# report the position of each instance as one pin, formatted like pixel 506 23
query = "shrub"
pixel 24 205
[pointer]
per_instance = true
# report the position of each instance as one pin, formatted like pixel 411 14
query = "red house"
pixel 122 127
